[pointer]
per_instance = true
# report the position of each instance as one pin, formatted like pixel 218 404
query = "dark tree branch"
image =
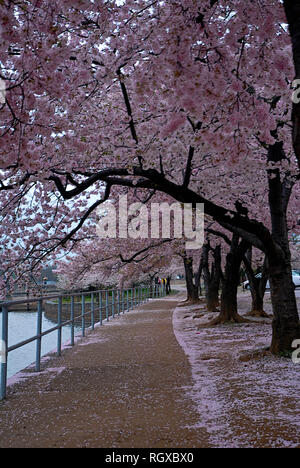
pixel 219 234
pixel 188 170
pixel 146 249
pixel 251 230
pixel 129 110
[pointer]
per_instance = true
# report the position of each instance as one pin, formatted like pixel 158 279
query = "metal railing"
pixel 104 304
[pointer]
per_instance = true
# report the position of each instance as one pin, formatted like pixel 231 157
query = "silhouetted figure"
pixel 168 285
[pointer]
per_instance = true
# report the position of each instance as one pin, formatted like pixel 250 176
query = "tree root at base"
pixel 189 302
pixel 258 313
pixel 235 319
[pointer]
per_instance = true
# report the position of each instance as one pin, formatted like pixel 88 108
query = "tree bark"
pixel 192 289
pixel 230 283
pixel 198 278
pixel 212 297
pixel 286 327
pixel 211 278
pixel 285 324
pixel 257 287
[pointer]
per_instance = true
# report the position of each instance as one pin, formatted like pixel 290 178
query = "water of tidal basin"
pixel 23 325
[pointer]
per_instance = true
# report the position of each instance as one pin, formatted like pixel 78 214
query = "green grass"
pixel 286 354
pixel 88 297
pixel 173 292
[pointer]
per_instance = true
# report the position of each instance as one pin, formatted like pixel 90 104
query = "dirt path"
pixel 122 386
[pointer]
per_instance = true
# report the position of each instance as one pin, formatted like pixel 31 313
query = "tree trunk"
pixel 229 310
pixel 192 289
pixel 286 327
pixel 257 308
pixel 198 278
pixel 257 287
pixel 211 278
pixel 285 324
pixel 212 297
pixel 257 294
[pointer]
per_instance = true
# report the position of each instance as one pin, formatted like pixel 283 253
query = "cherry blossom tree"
pixel 117 263
pixel 162 96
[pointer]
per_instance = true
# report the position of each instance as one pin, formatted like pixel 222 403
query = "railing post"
pixel 83 314
pixel 131 298
pixel 119 304
pixel 3 350
pixel 123 301
pixel 39 333
pixel 113 303
pixel 92 311
pixel 107 314
pixel 100 307
pixel 127 292
pixel 59 322
pixel 72 321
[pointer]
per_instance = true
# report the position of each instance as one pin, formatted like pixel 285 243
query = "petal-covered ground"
pixel 155 378
pixel 124 385
pixel 246 396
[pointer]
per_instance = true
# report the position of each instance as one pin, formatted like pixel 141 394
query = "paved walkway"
pixel 122 386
